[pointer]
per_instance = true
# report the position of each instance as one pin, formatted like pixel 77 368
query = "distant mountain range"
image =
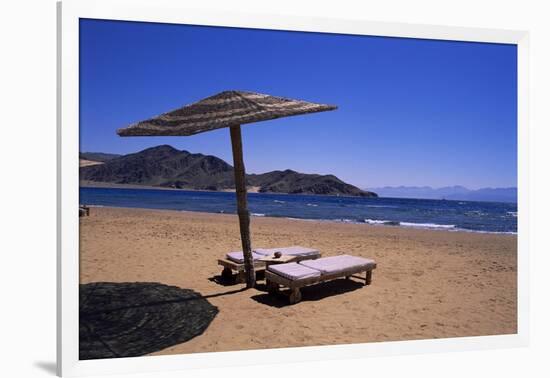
pixel 165 166
pixel 459 193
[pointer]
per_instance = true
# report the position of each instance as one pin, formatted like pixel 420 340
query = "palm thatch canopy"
pixel 225 109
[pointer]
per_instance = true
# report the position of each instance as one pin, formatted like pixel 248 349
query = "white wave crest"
pixel 375 221
pixel 383 222
pixel 427 225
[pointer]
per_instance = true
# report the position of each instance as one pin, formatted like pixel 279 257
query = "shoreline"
pixel 322 221
pixel 250 189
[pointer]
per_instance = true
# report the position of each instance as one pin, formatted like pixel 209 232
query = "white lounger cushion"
pixel 261 251
pixel 295 250
pixel 238 257
pixel 294 271
pixel 335 264
pixel 258 253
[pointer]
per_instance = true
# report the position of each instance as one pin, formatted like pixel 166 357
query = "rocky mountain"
pixel 289 181
pixel 456 192
pixel 166 166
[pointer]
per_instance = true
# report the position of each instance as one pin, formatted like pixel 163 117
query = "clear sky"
pixel 411 112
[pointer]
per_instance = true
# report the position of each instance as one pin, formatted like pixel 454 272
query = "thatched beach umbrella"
pixel 226 109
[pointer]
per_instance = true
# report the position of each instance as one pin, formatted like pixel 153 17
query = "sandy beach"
pixel 428 284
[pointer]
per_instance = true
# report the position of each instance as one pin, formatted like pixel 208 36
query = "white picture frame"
pixel 69 13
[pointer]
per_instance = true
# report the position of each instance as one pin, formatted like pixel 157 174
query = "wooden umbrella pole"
pixel 242 208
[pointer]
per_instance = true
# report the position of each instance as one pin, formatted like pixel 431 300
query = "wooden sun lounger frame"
pixel 231 267
pixel 83 210
pixel 273 280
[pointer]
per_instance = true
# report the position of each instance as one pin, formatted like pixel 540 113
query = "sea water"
pixel 494 217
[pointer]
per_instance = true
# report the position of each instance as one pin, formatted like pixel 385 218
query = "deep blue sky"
pixel 411 112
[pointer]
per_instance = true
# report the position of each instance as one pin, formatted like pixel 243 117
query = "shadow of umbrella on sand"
pixel 227 109
pixel 134 319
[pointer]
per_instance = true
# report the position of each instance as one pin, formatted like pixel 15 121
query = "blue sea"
pixel 493 217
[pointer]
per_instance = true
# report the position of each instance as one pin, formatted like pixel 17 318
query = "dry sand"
pixel 428 284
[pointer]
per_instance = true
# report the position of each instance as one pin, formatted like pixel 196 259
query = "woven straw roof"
pixel 225 109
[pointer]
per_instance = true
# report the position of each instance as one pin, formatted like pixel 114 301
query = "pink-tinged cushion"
pixel 293 271
pixel 335 264
pixel 262 251
pixel 238 257
pixel 291 251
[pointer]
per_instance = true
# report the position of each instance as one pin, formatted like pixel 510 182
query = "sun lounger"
pixel 234 261
pixel 310 272
pixel 83 210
